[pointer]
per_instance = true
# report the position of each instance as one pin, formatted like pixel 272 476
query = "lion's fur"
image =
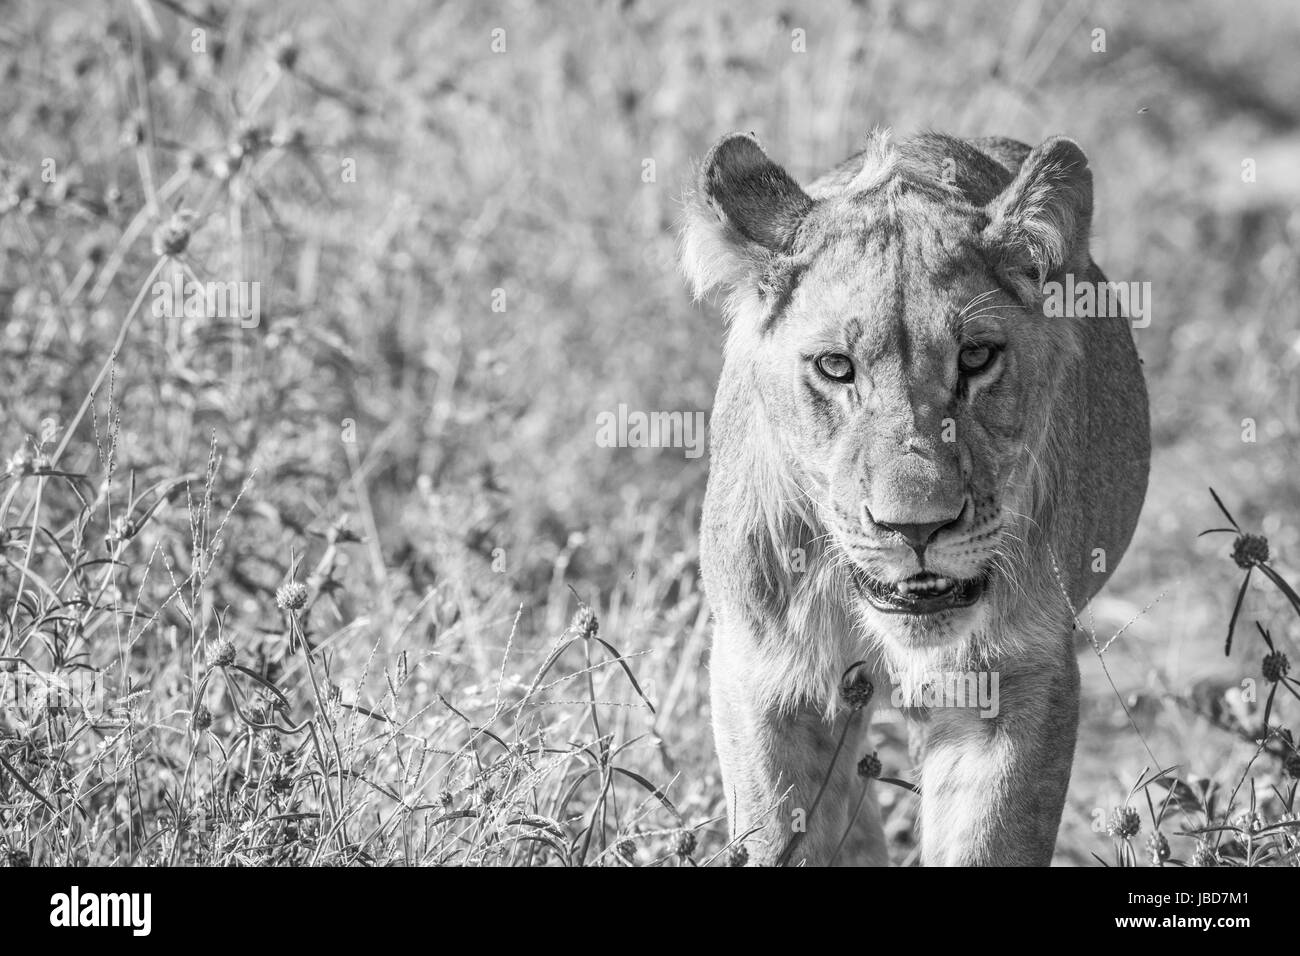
pixel 1064 468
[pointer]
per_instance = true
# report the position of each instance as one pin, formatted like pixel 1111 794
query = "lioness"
pixel 905 450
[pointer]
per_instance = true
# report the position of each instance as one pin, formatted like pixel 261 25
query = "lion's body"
pixel 881 259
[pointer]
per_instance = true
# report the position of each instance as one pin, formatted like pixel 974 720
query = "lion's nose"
pixel 918 535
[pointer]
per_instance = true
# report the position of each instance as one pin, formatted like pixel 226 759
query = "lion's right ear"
pixel 1039 224
pixel 742 212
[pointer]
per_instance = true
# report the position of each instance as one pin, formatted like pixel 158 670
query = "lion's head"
pixel 890 320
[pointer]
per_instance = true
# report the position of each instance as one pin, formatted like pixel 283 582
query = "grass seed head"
pixel 201 720
pixel 172 237
pixel 268 741
pixel 223 652
pixel 870 767
pixel 855 689
pixel 1275 666
pixel 291 596
pixel 1249 822
pixel 1158 848
pixel 1125 823
pixel 1204 855
pixel 123 529
pixel 585 622
pixel 1249 550
pixel 19 464
pixel 13 857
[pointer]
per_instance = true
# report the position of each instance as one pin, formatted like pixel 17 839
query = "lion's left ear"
pixel 1042 220
pixel 741 213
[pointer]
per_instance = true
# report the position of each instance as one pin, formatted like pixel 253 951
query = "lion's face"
pixel 893 338
pixel 900 376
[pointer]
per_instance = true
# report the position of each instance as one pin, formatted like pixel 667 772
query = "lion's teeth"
pixel 928 585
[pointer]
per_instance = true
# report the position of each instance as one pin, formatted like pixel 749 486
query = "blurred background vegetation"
pixel 499 153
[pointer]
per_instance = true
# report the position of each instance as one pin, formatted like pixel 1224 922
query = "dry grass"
pixel 408 431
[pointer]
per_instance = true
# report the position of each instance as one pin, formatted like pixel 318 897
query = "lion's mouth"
pixel 924 593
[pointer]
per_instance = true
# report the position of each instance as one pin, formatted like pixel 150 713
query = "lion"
pixel 914 471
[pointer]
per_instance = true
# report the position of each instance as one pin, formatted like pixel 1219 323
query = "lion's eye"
pixel 835 366
pixel 975 359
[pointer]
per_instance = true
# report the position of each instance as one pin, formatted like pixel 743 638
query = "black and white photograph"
pixel 642 434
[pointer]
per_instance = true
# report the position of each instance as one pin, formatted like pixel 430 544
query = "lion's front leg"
pixel 993 787
pixel 774 764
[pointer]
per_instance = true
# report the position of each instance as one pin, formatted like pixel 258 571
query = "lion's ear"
pixel 742 211
pixel 1040 223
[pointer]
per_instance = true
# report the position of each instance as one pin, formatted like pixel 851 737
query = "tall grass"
pixel 355 583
